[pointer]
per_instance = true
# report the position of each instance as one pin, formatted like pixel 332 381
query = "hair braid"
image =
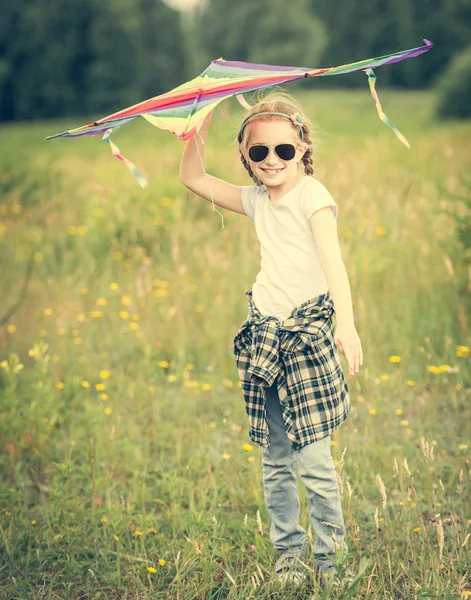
pixel 307 157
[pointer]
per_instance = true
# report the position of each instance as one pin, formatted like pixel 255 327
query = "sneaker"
pixel 285 570
pixel 330 577
pixel 295 576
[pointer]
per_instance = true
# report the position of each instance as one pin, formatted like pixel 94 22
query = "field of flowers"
pixel 125 460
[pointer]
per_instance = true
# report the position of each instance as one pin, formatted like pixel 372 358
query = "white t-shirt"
pixel 291 272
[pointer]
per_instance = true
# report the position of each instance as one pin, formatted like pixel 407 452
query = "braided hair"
pixel 279 101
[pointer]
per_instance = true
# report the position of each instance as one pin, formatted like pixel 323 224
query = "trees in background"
pixel 69 57
pixel 267 31
pixel 368 28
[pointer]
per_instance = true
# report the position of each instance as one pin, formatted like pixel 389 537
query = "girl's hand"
pixel 348 342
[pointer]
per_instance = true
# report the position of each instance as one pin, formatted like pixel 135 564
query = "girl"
pixel 286 353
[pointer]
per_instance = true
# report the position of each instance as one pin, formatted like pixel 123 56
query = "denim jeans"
pixel 317 472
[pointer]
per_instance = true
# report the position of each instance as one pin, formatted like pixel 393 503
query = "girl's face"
pixel 272 170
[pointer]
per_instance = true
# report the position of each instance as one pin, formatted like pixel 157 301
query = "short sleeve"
pixel 315 196
pixel 249 200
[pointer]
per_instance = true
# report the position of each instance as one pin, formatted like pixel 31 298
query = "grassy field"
pixel 126 466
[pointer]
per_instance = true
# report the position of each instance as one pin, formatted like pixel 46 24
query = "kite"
pixel 183 109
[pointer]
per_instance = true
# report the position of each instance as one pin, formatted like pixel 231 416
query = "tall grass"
pixel 126 467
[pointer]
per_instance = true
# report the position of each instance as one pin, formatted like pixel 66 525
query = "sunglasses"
pixel 283 151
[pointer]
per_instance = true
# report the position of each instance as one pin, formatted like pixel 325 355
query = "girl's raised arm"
pixel 194 177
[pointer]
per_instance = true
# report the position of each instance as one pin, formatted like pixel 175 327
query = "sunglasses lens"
pixel 258 153
pixel 286 151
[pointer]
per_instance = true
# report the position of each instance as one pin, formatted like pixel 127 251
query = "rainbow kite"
pixel 183 109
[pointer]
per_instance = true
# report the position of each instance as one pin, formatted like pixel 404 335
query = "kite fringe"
pixel 115 150
pixel 372 81
pixel 243 101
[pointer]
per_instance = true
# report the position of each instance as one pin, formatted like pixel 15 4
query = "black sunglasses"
pixel 284 151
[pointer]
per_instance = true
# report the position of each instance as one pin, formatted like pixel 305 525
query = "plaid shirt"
pixel 301 351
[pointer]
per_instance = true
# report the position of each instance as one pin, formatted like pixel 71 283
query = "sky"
pixel 184 5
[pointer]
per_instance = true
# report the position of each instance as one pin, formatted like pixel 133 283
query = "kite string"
pixel 206 177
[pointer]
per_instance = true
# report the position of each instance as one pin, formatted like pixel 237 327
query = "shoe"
pixel 330 578
pixel 286 571
pixel 295 576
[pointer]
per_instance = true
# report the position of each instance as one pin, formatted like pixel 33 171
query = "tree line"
pixel 93 57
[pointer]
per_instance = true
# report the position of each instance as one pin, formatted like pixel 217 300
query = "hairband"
pixel 296 119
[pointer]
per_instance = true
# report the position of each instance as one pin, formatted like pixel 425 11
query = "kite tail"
pixel 372 81
pixel 243 101
pixel 128 163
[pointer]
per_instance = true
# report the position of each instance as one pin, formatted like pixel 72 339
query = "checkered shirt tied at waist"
pixel 301 351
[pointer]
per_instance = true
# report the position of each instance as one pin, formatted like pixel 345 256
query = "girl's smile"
pixel 272 172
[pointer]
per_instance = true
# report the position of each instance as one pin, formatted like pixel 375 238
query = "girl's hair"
pixel 279 101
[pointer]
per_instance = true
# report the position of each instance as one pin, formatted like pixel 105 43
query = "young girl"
pixel 286 351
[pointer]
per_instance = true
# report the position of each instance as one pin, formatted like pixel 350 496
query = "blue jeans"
pixel 317 472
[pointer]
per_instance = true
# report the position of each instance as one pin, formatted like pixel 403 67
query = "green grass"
pixel 158 448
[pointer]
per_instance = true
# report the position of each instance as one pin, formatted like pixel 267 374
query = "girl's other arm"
pixel 194 177
pixel 324 230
